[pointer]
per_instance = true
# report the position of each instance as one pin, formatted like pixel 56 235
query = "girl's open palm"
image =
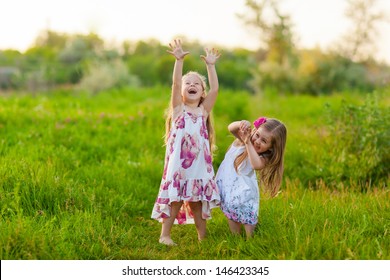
pixel 211 56
pixel 176 50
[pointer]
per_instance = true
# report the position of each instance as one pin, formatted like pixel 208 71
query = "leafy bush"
pixel 356 151
pixel 101 76
pixel 273 76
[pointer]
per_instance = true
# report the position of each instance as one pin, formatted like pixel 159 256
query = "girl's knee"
pixel 176 204
pixel 250 229
pixel 195 206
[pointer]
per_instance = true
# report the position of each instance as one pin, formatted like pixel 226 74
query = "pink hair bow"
pixel 259 121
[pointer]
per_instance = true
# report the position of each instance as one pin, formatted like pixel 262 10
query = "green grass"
pixel 79 175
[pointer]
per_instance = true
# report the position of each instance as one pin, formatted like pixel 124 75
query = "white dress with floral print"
pixel 188 171
pixel 240 197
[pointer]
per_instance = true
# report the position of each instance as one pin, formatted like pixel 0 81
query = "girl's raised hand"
pixel 245 131
pixel 176 50
pixel 211 56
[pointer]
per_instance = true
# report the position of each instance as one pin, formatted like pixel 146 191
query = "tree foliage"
pixel 85 61
pixel 284 68
pixel 360 41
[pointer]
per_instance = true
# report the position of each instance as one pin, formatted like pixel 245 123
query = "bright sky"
pixel 316 22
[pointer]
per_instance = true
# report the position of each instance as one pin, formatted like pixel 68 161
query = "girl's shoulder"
pixel 176 111
pixel 236 147
pixel 203 110
pixel 238 144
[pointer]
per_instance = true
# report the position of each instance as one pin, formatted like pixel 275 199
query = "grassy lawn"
pixel 79 175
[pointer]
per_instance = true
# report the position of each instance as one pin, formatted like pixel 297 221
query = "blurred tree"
pixel 275 34
pixel 143 60
pixel 103 75
pixel 359 43
pixel 150 47
pixel 10 57
pixel 127 48
pixel 51 39
pixel 75 55
pixel 277 69
pixel 10 72
pixel 164 69
pixel 39 67
pixel 236 68
pixel 321 73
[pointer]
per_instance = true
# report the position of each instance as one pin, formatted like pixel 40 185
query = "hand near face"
pixel 245 131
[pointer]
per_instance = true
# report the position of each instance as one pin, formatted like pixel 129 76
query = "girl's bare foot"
pixel 167 241
pixel 201 236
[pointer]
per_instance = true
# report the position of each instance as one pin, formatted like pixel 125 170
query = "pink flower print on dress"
pixel 179 123
pixel 197 187
pixel 189 150
pixel 164 216
pixel 208 190
pixel 184 192
pixel 166 185
pixel 165 167
pixel 176 181
pixel 171 143
pixel 203 130
pixel 193 117
pixel 207 158
pixel 163 200
pixel 181 217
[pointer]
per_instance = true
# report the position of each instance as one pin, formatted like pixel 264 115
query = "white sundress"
pixel 240 196
pixel 188 171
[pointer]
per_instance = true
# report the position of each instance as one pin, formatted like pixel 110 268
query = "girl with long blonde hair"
pixel 258 150
pixel 188 190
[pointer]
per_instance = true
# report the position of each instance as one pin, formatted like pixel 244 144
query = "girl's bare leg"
pixel 249 229
pixel 200 223
pixel 165 237
pixel 235 227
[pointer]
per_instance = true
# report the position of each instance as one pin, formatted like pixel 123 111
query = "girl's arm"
pixel 210 59
pixel 235 127
pixel 179 54
pixel 258 162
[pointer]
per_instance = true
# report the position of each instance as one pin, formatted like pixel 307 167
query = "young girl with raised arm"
pixel 259 149
pixel 188 190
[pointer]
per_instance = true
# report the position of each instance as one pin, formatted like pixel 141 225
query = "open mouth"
pixel 192 91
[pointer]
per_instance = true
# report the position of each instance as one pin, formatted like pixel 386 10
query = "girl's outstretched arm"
pixel 179 54
pixel 210 59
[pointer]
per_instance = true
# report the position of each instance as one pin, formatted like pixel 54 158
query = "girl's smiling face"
pixel 262 140
pixel 192 88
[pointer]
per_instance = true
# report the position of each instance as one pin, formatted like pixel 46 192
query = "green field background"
pixel 79 174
